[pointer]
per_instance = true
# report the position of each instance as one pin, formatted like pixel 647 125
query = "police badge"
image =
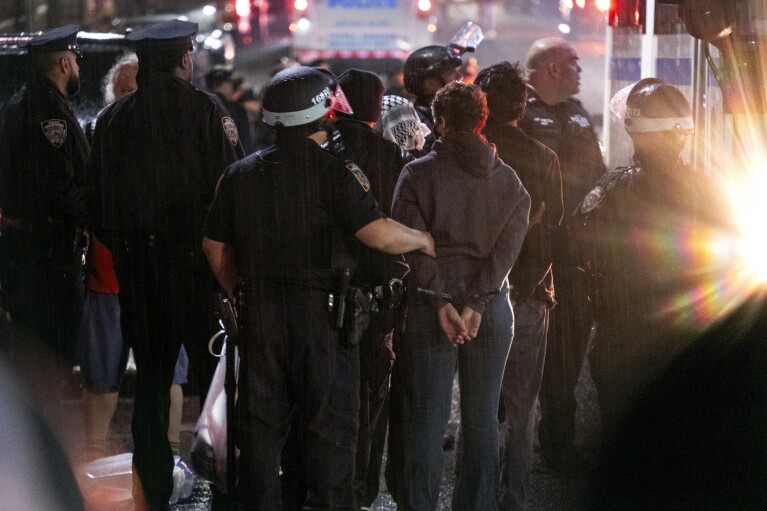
pixel 230 130
pixel 359 175
pixel 592 200
pixel 55 131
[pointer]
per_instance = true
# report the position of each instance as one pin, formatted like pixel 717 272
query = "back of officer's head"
pixel 296 100
pixel 364 90
pixel 162 47
pixel 506 92
pixel 658 118
pixel 463 107
pixel 652 98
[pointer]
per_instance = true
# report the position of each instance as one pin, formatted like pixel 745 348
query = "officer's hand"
pixel 452 324
pixel 429 248
pixel 471 319
pixel 536 217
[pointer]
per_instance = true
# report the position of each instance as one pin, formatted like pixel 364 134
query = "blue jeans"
pixel 521 384
pixel 430 365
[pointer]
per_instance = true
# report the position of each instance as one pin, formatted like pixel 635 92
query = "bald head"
pixel 552 69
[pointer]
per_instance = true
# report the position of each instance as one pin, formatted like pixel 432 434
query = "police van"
pixel 360 29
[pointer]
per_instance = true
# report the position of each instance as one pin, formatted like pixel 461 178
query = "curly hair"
pixel 108 85
pixel 506 92
pixel 463 106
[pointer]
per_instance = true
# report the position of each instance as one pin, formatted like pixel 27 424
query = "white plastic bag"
pixel 209 447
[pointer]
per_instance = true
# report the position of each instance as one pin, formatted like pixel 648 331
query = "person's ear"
pixel 440 124
pixel 64 64
pixel 186 60
pixel 553 69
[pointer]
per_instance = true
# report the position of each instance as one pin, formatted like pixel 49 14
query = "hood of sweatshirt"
pixel 470 151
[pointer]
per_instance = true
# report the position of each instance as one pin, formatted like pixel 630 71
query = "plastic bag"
pixel 208 453
pixel 183 481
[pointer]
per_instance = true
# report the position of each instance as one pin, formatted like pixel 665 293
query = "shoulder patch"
pixel 592 200
pixel 230 130
pixel 359 175
pixel 55 131
pixel 580 120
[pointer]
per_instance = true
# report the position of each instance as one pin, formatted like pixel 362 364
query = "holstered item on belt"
pixel 357 316
pixel 389 300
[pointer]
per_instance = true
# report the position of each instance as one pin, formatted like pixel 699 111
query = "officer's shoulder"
pixel 619 177
pixel 611 183
pixel 253 162
pixel 209 98
pixel 574 101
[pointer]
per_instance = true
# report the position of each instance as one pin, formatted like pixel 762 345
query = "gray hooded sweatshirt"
pixel 475 208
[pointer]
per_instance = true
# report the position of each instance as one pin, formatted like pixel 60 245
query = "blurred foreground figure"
pixel 278 234
pixel 34 471
pixel 636 217
pixel 43 154
pixel 695 439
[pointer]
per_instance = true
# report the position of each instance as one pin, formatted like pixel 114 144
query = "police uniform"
pixel 639 329
pixel 565 128
pixel 43 154
pixel 157 156
pixel 280 209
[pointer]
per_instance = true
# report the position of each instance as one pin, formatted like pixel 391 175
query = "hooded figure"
pixel 459 313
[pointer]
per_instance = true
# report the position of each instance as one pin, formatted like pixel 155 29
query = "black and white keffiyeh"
pixel 400 123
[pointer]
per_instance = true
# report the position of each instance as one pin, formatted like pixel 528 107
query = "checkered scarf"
pixel 400 123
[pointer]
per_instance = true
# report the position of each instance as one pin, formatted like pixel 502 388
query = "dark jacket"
pixel 538 169
pixel 381 161
pixel 475 208
pixel 636 219
pixel 566 129
pixel 43 154
pixel 282 209
pixel 157 156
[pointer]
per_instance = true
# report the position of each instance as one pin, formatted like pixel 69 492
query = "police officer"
pixel 427 70
pixel 555 118
pixel 157 155
pixel 272 227
pixel 641 323
pixel 43 154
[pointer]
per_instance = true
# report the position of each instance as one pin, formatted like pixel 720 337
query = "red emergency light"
pixel 626 13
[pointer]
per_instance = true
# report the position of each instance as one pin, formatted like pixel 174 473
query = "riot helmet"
pixel 653 105
pixel 429 62
pixel 301 95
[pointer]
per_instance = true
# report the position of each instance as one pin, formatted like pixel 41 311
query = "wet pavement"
pixel 551 491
